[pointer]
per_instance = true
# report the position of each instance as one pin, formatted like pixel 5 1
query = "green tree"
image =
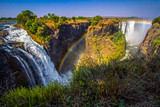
pixel 43 31
pixel 24 16
pixel 45 16
pixel 74 18
pixel 49 14
pixel 156 20
pixel 63 19
pixel 28 24
pixel 34 27
pixel 54 18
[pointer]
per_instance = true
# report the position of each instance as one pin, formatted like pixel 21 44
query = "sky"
pixel 88 8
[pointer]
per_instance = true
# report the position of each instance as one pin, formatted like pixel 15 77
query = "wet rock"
pixel 67 36
pixel 12 73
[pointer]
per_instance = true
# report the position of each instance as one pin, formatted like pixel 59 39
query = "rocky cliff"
pixel 61 41
pixel 11 72
pixel 151 44
pixel 101 45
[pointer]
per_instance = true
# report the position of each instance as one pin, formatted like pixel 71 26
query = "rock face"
pixel 150 46
pixel 99 47
pixel 66 37
pixel 11 72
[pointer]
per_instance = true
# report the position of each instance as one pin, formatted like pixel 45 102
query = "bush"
pixel 74 18
pixel 156 20
pixel 63 19
pixel 43 31
pixel 54 18
pixel 57 25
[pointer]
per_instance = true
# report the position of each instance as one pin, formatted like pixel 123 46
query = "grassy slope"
pixel 131 82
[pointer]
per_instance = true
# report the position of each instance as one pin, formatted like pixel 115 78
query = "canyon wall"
pixel 66 37
pixel 151 44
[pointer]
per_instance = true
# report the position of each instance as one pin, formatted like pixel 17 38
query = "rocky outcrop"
pixel 66 37
pixel 11 72
pixel 100 48
pixel 150 47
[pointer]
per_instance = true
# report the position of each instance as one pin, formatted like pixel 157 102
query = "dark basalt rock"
pixel 11 72
pixel 67 36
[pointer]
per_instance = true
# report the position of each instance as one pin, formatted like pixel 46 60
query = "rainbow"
pixel 85 35
pixel 143 22
pixel 69 50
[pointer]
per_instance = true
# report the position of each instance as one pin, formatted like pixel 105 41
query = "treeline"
pixel 7 18
pixel 38 26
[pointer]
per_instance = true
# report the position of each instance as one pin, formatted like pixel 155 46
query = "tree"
pixel 98 18
pixel 34 27
pixel 156 20
pixel 28 24
pixel 63 19
pixel 74 18
pixel 45 16
pixel 54 18
pixel 43 31
pixel 24 16
pixel 49 14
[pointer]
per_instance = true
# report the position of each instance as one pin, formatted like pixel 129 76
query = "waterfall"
pixel 134 34
pixel 44 66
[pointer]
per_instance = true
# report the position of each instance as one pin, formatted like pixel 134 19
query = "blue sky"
pixel 141 8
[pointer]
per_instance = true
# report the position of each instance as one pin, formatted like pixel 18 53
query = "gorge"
pixel 41 69
pixel 81 58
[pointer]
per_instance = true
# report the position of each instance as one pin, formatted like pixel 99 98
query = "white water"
pixel 134 34
pixel 35 51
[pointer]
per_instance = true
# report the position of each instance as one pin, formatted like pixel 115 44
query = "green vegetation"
pixel 156 20
pixel 7 18
pixel 157 41
pixel 74 18
pixel 4 20
pixel 33 24
pixel 131 82
pixel 95 20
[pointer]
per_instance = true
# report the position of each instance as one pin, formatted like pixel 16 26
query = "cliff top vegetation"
pixel 45 27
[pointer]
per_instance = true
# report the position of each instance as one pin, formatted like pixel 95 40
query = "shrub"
pixel 74 18
pixel 54 18
pixel 63 19
pixel 156 20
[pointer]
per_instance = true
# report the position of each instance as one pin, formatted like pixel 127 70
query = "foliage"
pixel 43 31
pixel 128 83
pixel 57 25
pixel 116 37
pixel 23 17
pixel 74 18
pixel 7 18
pixel 45 16
pixel 96 20
pixel 63 19
pixel 81 17
pixel 54 18
pixel 156 20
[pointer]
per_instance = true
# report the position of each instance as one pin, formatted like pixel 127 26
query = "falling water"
pixel 39 56
pixel 134 34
